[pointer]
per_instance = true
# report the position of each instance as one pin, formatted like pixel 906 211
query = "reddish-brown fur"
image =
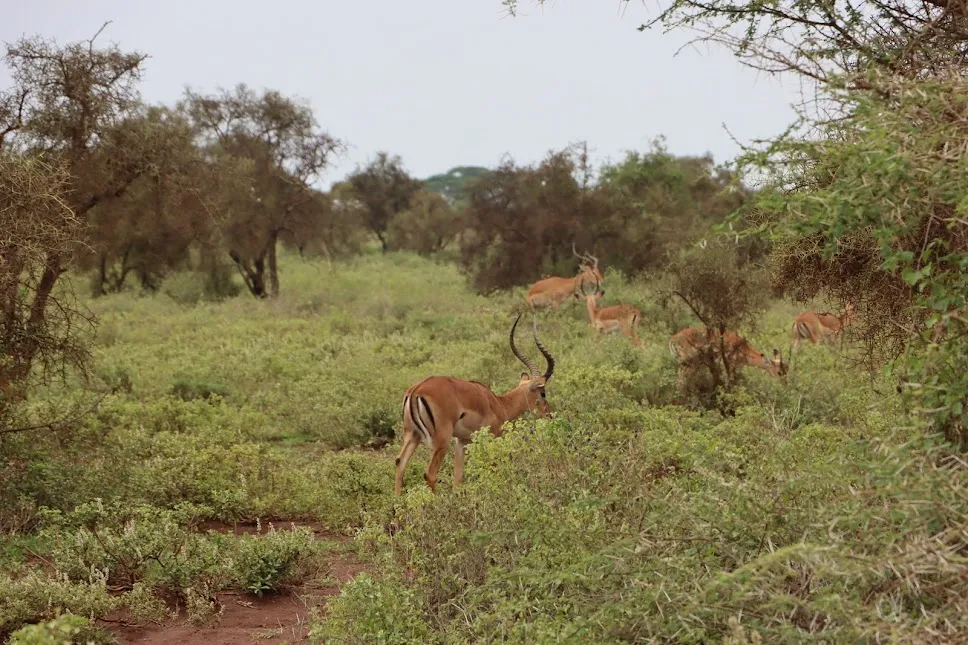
pixel 820 327
pixel 687 343
pixel 439 409
pixel 624 318
pixel 555 290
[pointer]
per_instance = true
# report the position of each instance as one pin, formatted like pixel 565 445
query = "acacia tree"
pixel 868 206
pixel 172 206
pixel 383 189
pixel 288 152
pixel 326 226
pixel 521 221
pixel 824 41
pixel 725 293
pixel 426 227
pixel 68 147
pixel 660 203
pixel 37 224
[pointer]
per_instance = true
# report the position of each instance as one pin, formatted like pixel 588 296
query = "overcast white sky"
pixel 441 82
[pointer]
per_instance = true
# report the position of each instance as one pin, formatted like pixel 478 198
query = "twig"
pixel 52 425
pixel 689 304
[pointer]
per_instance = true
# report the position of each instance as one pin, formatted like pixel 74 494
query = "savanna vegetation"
pixel 196 338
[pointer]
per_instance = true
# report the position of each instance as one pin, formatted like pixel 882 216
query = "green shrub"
pixel 138 544
pixel 626 518
pixel 368 610
pixel 561 532
pixel 193 287
pixel 62 630
pixel 161 549
pixel 34 597
pixel 277 557
pixel 191 390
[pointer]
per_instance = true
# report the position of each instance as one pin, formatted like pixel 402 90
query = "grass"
pixel 816 512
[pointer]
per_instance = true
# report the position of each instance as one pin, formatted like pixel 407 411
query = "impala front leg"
pixel 635 337
pixel 458 463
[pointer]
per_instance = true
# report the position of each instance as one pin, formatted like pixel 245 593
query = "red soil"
pixel 275 618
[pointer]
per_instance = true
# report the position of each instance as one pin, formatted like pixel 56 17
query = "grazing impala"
pixel 688 343
pixel 441 408
pixel 554 290
pixel 816 327
pixel 622 318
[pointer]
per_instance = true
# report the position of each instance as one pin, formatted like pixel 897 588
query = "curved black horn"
pixel 532 368
pixel 585 258
pixel 541 348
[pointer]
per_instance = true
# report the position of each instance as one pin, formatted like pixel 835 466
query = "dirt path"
pixel 275 618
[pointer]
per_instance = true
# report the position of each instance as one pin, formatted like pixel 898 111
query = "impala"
pixel 686 345
pixel 622 318
pixel 816 327
pixel 441 408
pixel 554 290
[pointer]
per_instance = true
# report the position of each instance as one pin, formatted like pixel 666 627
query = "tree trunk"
pixel 24 353
pixel 259 278
pixel 253 276
pixel 273 267
pixel 102 276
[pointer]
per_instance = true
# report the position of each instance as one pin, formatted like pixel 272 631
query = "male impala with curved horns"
pixel 686 344
pixel 440 408
pixel 554 290
pixel 622 318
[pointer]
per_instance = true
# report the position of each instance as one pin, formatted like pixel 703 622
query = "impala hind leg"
pixel 441 442
pixel 431 473
pixel 410 443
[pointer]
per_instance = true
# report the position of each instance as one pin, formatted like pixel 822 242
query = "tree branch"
pixel 52 425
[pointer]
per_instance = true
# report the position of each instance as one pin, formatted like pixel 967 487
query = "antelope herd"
pixel 440 410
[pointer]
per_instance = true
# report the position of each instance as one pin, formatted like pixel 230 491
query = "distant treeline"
pixel 218 181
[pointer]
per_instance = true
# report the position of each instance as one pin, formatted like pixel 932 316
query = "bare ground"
pixel 246 618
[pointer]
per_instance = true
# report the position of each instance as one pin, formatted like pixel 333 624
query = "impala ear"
pixel 525 377
pixel 536 384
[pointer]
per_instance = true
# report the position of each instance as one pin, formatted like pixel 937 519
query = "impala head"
pixel 774 366
pixel 588 270
pixel 849 312
pixel 533 382
pixel 744 353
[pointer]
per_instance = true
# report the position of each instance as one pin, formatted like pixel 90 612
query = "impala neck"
pixel 515 402
pixel 590 303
